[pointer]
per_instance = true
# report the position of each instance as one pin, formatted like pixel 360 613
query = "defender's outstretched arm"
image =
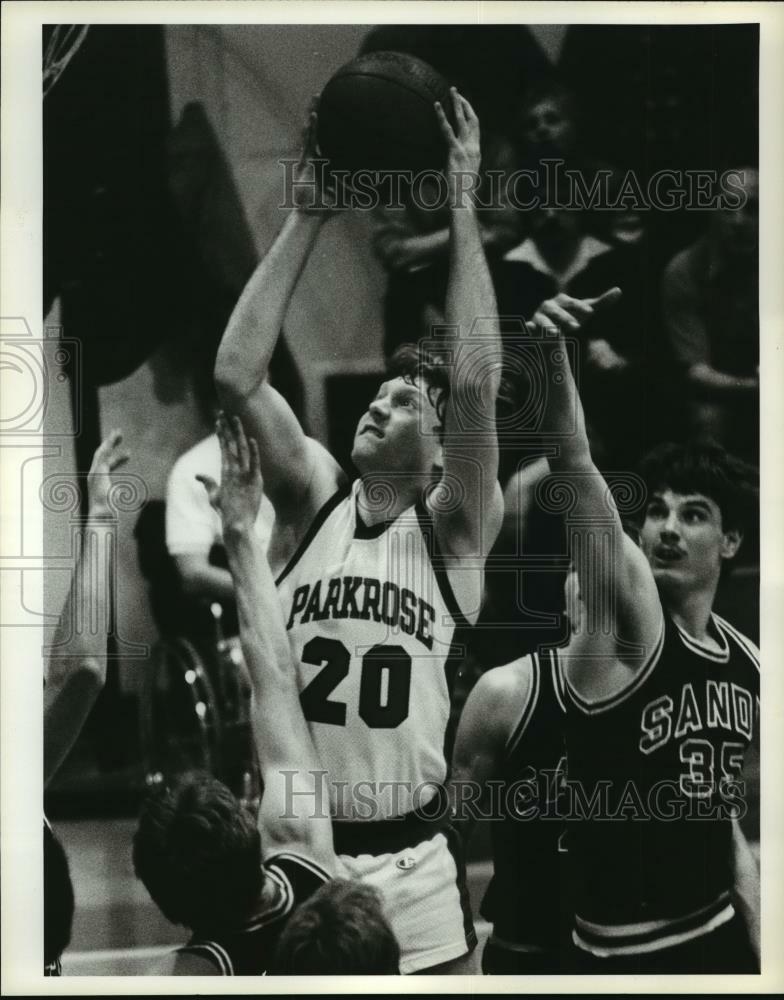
pixel 295 811
pixel 622 612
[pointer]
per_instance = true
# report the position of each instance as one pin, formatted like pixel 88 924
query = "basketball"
pixel 376 113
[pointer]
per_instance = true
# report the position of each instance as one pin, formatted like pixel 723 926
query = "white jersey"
pixel 371 618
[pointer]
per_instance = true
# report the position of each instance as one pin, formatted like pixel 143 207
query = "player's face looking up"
pixel 400 431
pixel 684 540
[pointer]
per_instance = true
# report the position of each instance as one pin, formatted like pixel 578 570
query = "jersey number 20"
pixel 390 665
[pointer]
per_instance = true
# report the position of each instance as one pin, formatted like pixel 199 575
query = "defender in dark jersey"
pixel 510 745
pixel 204 859
pixel 662 698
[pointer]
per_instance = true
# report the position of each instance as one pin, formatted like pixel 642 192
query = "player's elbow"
pixel 232 383
pixel 574 456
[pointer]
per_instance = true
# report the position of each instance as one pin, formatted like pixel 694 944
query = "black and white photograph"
pixel 391 446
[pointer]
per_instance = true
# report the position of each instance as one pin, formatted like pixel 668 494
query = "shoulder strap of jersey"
pixel 557 675
pixel 213 952
pixel 318 521
pixel 299 861
pixel 298 878
pixel 741 640
pixel 530 705
pixel 428 528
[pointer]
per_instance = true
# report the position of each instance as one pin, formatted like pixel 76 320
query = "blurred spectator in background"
pixel 413 244
pixel 666 97
pixel 194 537
pixel 548 120
pixel 340 930
pixel 627 379
pixel 549 126
pixel 711 313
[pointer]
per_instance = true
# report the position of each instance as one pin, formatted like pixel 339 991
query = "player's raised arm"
pixel 295 811
pixel 76 672
pixel 298 473
pixel 470 440
pixel 619 608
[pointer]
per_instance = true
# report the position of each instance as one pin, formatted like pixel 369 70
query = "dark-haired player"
pixel 662 696
pixel 340 930
pixel 384 570
pixel 205 860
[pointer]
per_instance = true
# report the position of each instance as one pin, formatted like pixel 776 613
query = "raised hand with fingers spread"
pixel 238 497
pixel 464 154
pixel 312 192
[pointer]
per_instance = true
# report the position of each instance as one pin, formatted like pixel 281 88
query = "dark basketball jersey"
pixel 524 900
pixel 655 776
pixel 249 950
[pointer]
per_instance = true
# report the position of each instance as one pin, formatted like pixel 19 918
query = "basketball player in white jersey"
pixel 386 569
pixel 660 706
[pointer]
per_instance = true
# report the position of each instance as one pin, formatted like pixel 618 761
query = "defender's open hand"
pixel 238 497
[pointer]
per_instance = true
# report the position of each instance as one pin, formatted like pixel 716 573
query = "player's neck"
pixel 382 500
pixel 691 610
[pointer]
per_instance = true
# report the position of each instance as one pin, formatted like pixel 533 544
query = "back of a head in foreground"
pixel 340 930
pixel 198 852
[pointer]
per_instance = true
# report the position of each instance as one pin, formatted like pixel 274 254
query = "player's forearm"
pixel 262 630
pixel 471 300
pixel 254 327
pixel 707 377
pixel 427 245
pixel 563 412
pixel 76 671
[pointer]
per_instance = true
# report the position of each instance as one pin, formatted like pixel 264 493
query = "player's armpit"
pixel 468 504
